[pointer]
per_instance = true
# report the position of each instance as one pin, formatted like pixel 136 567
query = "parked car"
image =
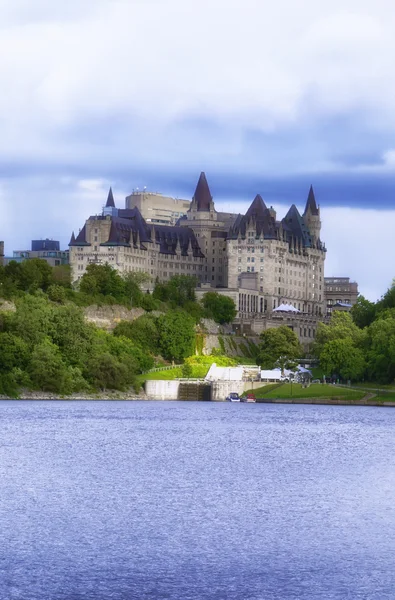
pixel 316 381
pixel 233 397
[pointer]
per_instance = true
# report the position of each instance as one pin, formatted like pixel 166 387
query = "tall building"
pixel 283 260
pixel 48 250
pixel 340 293
pixel 211 229
pixel 156 208
pixel 261 262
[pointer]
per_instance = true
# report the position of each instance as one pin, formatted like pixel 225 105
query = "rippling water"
pixel 173 500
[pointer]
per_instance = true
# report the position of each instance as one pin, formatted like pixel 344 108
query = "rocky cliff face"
pixel 107 317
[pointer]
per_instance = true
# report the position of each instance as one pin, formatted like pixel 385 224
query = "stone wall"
pixel 107 317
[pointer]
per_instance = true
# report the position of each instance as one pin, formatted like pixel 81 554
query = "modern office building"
pixel 48 250
pixel 156 208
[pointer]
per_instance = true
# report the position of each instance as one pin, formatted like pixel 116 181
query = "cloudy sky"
pixel 263 96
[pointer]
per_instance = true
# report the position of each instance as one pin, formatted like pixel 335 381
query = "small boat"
pixel 233 397
pixel 248 398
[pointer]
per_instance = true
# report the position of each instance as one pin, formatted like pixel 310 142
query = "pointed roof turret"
pixel 110 200
pixel 202 195
pixel 257 208
pixel 311 204
pixel 80 240
pixel 72 239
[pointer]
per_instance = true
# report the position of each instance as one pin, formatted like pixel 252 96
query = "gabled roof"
pixel 311 205
pixel 295 227
pixel 259 214
pixel 119 235
pixel 257 208
pixel 202 195
pixel 169 238
pixel 110 200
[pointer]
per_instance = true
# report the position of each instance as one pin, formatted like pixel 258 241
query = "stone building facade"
pixel 123 239
pixel 277 261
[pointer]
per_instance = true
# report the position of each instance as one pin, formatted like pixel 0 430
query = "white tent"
pixel 271 375
pixel 286 308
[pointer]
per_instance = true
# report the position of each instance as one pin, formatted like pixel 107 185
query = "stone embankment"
pixel 368 400
pixel 105 395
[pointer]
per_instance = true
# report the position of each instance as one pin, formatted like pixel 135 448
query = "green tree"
pixel 35 274
pixel 341 357
pixel 104 371
pixel 341 326
pixel 220 308
pixel 102 279
pixel 279 346
pixel 126 351
pixel 142 331
pixel 363 312
pixel 32 320
pixel 148 302
pixel 176 335
pixel 387 301
pixel 47 370
pixel 72 334
pixel 179 290
pixel 186 370
pixel 381 348
pixel 14 352
pixel 57 293
pixel 61 275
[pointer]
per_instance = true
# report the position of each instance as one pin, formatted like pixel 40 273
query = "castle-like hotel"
pixel 257 260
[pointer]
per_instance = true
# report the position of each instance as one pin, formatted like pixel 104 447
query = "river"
pixel 188 500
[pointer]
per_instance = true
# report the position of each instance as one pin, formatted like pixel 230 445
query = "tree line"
pixel 46 343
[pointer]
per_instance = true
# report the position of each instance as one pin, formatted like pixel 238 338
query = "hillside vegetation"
pixel 47 344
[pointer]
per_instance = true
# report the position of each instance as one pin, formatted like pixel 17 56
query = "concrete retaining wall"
pixel 221 389
pixel 162 389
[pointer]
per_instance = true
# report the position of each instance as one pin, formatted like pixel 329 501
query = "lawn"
pixel 375 386
pixel 316 390
pixel 198 372
pixel 244 360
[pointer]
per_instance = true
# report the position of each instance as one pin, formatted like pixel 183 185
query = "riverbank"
pixel 106 395
pixel 327 401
